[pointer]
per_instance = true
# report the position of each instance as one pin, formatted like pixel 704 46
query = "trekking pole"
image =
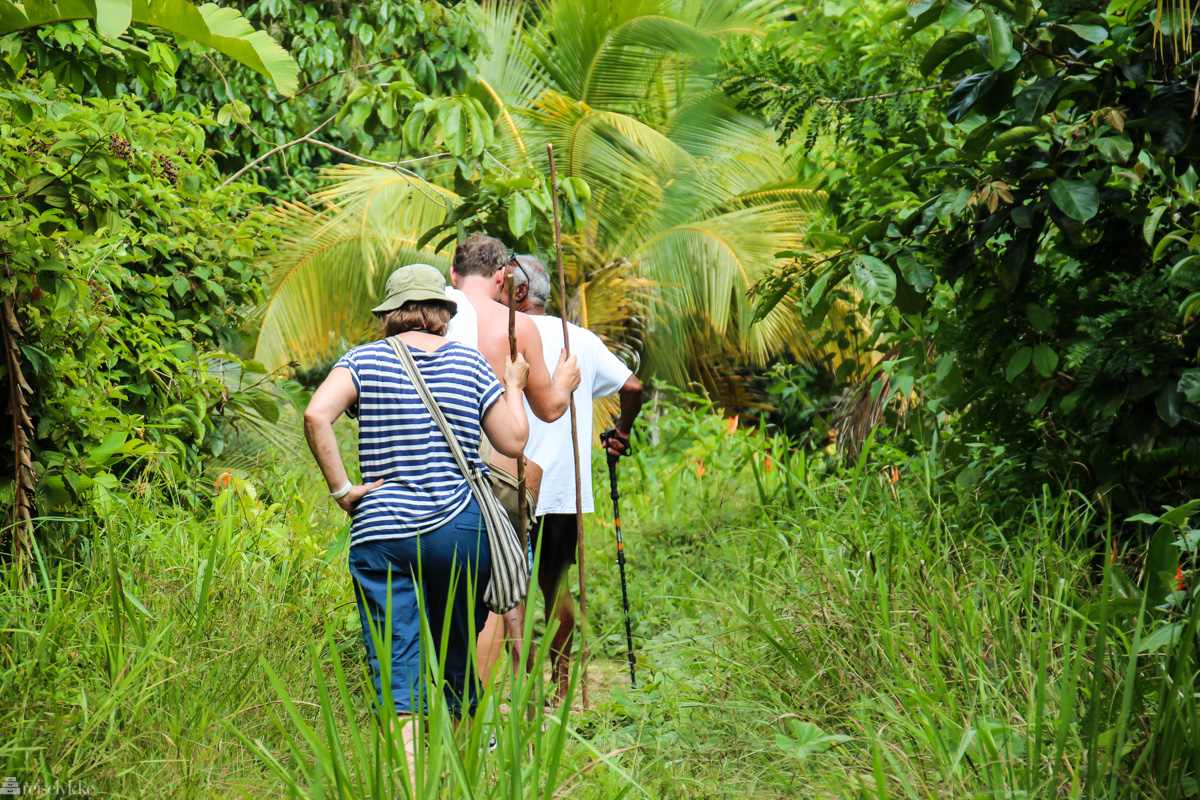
pixel 562 293
pixel 612 481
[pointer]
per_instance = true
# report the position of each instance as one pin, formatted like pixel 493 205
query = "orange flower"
pixel 895 475
pixel 1179 577
pixel 733 423
pixel 700 470
pixel 223 479
pixel 770 465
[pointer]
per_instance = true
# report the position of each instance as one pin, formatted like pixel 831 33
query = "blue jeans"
pixel 451 566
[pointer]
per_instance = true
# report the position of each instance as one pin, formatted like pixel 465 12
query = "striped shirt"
pixel 399 441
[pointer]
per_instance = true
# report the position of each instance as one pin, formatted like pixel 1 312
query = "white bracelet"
pixel 342 492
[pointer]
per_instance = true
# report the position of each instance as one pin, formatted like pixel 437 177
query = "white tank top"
pixel 464 325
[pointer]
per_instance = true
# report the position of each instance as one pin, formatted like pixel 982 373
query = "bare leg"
pixel 514 623
pixel 559 606
pixel 488 647
pixel 408 735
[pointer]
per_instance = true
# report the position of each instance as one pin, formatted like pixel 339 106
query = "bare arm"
pixel 548 397
pixel 504 422
pixel 631 405
pixel 329 402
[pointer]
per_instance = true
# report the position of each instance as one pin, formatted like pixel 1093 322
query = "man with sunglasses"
pixel 549 445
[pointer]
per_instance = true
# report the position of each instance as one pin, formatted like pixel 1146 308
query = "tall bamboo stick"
pixel 562 293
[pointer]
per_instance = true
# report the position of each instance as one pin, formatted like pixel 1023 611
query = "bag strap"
pixel 509 581
pixel 409 364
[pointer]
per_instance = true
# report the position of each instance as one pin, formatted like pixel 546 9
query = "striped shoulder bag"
pixel 510 566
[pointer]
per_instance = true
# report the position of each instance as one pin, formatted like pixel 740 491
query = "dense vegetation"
pixel 1016 224
pixel 935 264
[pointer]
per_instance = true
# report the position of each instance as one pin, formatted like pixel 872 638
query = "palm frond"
pixel 326 276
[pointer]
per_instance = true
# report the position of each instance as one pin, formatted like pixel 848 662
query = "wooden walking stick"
pixel 562 293
pixel 522 503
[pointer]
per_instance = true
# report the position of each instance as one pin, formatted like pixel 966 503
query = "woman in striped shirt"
pixel 415 525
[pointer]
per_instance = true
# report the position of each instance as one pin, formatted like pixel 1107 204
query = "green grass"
pixel 803 631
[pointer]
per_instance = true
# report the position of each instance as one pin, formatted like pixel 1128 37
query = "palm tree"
pixel 691 199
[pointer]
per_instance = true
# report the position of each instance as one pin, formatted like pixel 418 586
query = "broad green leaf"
pixel 113 17
pixel 1169 402
pixel 1189 385
pixel 967 94
pixel 225 30
pixel 945 47
pixel 875 278
pixel 999 38
pixel 1017 364
pixel 519 215
pixel 1014 136
pixel 916 273
pixel 1165 636
pixel 1039 317
pixel 1034 100
pixel 1092 33
pixel 1115 149
pixel 920 7
pixel 1151 223
pixel 1078 199
pixel 1038 402
pixel 954 12
pixel 450 115
pixel 1045 360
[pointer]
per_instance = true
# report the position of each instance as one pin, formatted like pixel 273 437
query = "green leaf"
pixel 999 38
pixel 1169 402
pixel 916 273
pixel 113 17
pixel 1034 100
pixel 1045 360
pixel 1115 149
pixel 1165 636
pixel 1189 385
pixel 875 278
pixel 967 94
pixel 943 48
pixel 519 215
pixel 1092 33
pixel 1039 400
pixel 1017 364
pixel 1151 223
pixel 1078 199
pixel 450 115
pixel 1039 317
pixel 1014 136
pixel 954 12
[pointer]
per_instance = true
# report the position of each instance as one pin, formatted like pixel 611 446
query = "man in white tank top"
pixel 478 275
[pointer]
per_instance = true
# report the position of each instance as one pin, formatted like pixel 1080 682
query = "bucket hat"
pixel 414 282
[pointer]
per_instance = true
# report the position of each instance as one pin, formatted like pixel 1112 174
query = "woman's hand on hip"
pixel 357 492
pixel 516 373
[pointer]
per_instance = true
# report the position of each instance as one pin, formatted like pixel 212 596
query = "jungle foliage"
pixel 130 272
pixel 675 201
pixel 1023 235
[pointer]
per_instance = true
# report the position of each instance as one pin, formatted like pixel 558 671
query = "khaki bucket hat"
pixel 414 282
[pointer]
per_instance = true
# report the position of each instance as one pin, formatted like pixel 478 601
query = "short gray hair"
pixel 530 271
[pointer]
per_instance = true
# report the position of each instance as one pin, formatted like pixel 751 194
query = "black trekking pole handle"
pixel 612 480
